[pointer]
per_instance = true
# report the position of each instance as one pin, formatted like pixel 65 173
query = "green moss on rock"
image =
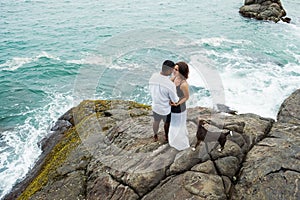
pixel 133 104
pixel 88 107
pixel 87 110
pixel 53 160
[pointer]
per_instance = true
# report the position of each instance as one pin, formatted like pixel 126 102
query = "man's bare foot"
pixel 155 138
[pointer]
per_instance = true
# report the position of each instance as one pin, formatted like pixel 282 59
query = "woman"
pixel 178 135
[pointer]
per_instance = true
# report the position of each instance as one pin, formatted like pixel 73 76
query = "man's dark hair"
pixel 167 65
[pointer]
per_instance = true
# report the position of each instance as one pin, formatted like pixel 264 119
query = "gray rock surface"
pixel 109 153
pixel 271 169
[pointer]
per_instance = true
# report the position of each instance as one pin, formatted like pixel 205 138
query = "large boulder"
pixel 290 109
pixel 108 153
pixel 271 169
pixel 264 10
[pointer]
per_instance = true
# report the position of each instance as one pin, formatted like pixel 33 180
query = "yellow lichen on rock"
pixel 139 105
pixel 53 160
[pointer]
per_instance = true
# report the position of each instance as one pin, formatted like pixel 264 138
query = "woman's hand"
pixel 173 103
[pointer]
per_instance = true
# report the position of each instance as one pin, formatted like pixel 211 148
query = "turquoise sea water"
pixel 53 54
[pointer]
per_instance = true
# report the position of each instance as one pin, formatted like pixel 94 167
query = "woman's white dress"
pixel 178 134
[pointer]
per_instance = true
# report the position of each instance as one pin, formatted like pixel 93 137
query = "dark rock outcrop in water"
pixel 264 10
pixel 108 153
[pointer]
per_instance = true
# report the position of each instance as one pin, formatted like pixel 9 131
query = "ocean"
pixel 54 54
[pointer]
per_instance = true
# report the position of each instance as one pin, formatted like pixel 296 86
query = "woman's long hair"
pixel 183 69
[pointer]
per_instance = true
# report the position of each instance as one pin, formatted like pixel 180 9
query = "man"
pixel 163 92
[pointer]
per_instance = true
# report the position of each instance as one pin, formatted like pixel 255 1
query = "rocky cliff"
pixel 104 150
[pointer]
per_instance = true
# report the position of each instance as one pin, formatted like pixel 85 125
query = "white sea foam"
pixel 20 145
pixel 256 87
pixel 130 67
pixel 106 63
pixel 90 60
pixel 218 41
pixel 17 62
pixel 296 56
pixel 295 27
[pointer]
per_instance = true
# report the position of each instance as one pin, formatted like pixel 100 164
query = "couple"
pixel 169 96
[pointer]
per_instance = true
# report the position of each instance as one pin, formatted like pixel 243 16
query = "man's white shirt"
pixel 162 90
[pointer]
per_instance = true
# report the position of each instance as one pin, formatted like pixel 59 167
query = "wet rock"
pixel 264 10
pixel 61 126
pixel 290 109
pixel 225 109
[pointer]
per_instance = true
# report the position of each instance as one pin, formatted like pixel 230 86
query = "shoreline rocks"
pixel 106 151
pixel 264 10
pixel 271 170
